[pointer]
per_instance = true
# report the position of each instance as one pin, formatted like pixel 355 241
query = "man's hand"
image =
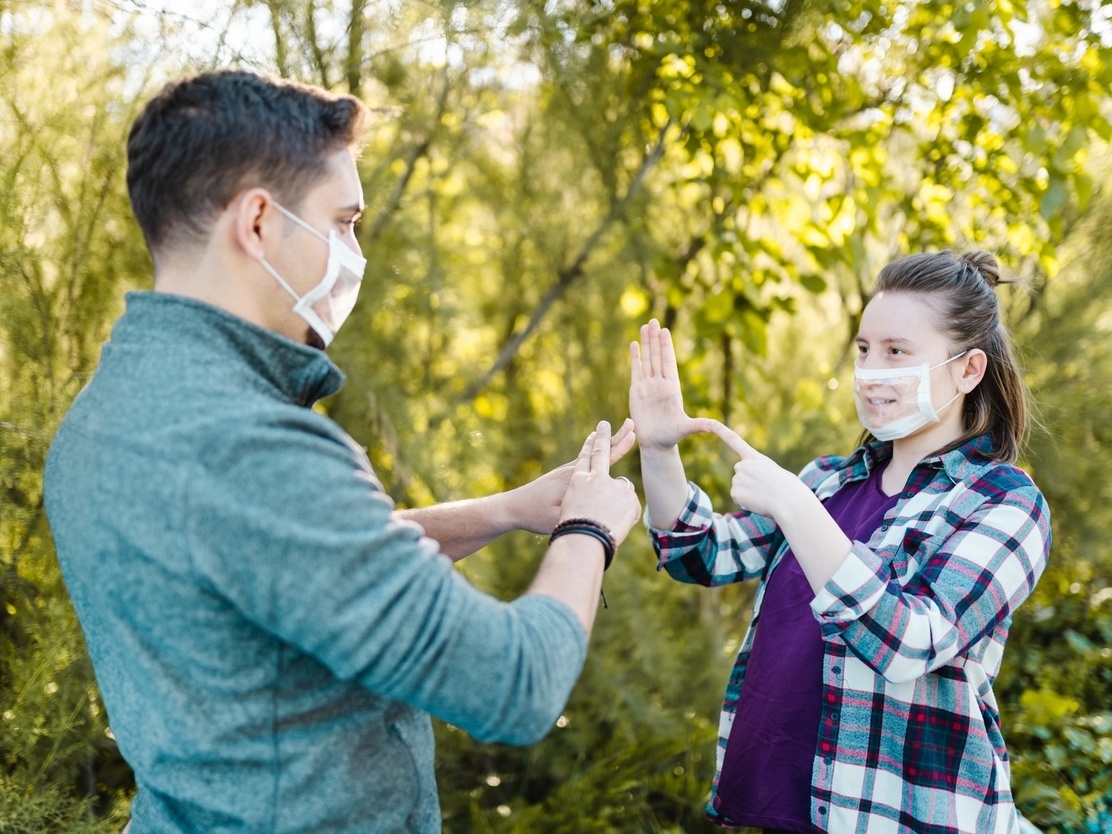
pixel 571 570
pixel 593 494
pixel 536 505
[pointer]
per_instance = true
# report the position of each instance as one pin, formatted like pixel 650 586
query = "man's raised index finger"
pixel 600 453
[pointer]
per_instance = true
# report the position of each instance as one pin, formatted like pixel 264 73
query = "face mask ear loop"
pixel 274 274
pixel 948 403
pixel 927 404
pixel 306 312
pixel 293 217
pixel 289 215
pixel 340 257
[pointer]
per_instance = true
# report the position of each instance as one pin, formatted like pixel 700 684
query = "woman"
pixel 861 699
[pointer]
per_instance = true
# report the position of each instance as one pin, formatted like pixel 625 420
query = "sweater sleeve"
pixel 290 524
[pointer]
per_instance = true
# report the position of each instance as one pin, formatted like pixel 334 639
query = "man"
pixel 269 635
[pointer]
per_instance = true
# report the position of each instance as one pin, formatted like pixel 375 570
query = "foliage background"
pixel 541 179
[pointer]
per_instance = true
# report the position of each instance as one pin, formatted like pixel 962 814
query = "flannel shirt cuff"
pixel 690 527
pixel 855 588
pixel 696 514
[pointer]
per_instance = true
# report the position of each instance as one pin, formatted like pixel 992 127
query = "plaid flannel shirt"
pixel 914 623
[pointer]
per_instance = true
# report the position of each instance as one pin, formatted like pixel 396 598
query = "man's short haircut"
pixel 206 138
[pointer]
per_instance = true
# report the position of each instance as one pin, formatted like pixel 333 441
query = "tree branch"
pixel 281 58
pixel 355 48
pixel 415 153
pixel 22 431
pixel 567 274
pixel 314 44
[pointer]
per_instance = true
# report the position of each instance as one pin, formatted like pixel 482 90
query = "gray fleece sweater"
pixel 269 638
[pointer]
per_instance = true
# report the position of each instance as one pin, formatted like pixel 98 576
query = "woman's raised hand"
pixel 655 399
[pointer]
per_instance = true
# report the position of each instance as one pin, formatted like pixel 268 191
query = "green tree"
pixel 1056 686
pixel 541 178
pixel 66 253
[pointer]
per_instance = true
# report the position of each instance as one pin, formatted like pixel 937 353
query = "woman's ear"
pixel 972 367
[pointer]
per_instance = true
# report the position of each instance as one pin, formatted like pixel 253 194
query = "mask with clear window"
pixel 326 306
pixel 909 393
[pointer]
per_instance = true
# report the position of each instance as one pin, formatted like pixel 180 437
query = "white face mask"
pixel 327 305
pixel 909 387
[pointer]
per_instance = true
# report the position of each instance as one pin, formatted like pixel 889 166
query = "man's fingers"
pixel 583 461
pixel 600 452
pixel 728 436
pixel 622 441
pixel 619 449
pixel 623 430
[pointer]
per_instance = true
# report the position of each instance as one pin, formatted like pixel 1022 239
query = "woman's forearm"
pixel 665 484
pixel 814 536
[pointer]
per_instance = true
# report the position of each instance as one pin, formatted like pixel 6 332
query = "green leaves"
pixel 740 170
pixel 68 250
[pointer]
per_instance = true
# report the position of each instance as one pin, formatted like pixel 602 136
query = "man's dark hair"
pixel 205 138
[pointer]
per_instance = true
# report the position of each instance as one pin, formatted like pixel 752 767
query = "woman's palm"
pixel 655 398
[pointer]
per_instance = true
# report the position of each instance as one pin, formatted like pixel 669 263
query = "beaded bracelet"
pixel 587 527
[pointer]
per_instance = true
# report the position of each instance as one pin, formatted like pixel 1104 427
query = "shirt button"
pixel 883 527
pixel 834 715
pixel 822 810
pixel 837 670
pixel 829 760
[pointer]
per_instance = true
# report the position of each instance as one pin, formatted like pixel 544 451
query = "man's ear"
pixel 253 219
pixel 973 366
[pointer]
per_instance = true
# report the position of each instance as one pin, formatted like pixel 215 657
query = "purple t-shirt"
pixel 766 774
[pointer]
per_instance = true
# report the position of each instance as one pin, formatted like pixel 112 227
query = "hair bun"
pixel 985 263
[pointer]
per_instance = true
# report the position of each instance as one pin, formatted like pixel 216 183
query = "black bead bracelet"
pixel 587 527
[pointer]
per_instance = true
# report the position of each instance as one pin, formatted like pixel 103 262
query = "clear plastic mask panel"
pixel 894 402
pixel 328 304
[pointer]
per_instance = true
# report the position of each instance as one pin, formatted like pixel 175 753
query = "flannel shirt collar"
pixel 959 463
pixel 967 460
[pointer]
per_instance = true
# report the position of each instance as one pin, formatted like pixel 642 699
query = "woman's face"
pixel 898 332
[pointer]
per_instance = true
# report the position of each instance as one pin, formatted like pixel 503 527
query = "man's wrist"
pixel 588 527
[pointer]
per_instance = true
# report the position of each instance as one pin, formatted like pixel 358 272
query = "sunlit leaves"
pixel 510 163
pixel 68 249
